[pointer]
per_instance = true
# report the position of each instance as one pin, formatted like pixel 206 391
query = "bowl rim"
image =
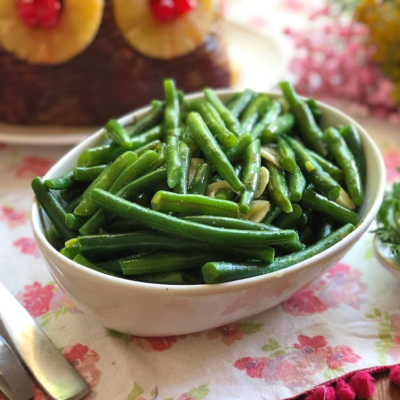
pixel 209 289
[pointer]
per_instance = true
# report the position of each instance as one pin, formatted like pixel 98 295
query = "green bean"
pixel 173 161
pixel 100 218
pixel 163 262
pixel 335 172
pixel 315 110
pixel 286 155
pixel 306 235
pixel 187 137
pixel 321 204
pixel 324 229
pixel 72 204
pixel 297 184
pixel 345 159
pixel 225 194
pixel 163 278
pixel 313 172
pixel 268 118
pixel 118 134
pixel 88 174
pixel 188 230
pixel 182 186
pixel 212 151
pixel 193 204
pixel 254 111
pixel 104 181
pixel 53 208
pixel 277 188
pixel 161 158
pixel 154 145
pixel 238 105
pixel 80 259
pixel 303 219
pixel 251 176
pixel 70 252
pixel 200 180
pixel 214 122
pixel 72 192
pixel 353 141
pixel 288 221
pixel 277 128
pixel 234 153
pixel 193 277
pixel 273 212
pixel 219 272
pixel 75 221
pixel 62 182
pixel 171 112
pixel 109 152
pixel 230 120
pixel 151 119
pixel 309 131
pixel 119 225
pixel 114 266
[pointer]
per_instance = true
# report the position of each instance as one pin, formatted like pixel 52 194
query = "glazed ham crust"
pixel 107 80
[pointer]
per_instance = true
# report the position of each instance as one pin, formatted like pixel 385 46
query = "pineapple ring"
pixel 79 22
pixel 163 40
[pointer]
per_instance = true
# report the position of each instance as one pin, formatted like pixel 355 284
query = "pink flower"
pixel 304 303
pixel 33 166
pixel 12 217
pixel 339 268
pixel 254 366
pixel 341 355
pixel 186 396
pixel 229 334
pixel 310 344
pixel 36 298
pixel 396 340
pixel 84 361
pixel 28 246
pixel 61 300
pixel 150 344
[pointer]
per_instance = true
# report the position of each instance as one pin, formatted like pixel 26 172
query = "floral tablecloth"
pixel 347 320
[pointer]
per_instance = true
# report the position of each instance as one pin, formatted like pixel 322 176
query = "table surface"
pixel 384 389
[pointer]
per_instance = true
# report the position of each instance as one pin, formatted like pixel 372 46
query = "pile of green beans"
pixel 207 191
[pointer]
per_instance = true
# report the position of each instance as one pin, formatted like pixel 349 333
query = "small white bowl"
pixel 385 257
pixel 160 310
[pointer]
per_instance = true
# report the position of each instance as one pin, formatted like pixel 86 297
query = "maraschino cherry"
pixel 43 14
pixel 168 10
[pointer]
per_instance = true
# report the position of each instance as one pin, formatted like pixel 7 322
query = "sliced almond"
pixel 264 179
pixel 345 200
pixel 194 163
pixel 258 211
pixel 213 188
pixel 270 154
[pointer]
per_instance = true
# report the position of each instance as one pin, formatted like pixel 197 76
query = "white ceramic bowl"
pixel 386 258
pixel 160 310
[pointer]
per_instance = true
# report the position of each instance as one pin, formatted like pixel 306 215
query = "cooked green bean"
pixel 234 153
pixel 75 221
pixel 187 137
pixel 231 122
pixel 200 180
pixel 310 132
pixel 151 119
pixel 88 264
pixel 118 134
pixel 173 161
pixel 277 128
pixel 270 116
pixel 70 252
pixel 182 185
pixel 70 207
pixel 286 155
pixel 313 172
pixel 163 262
pixel 163 278
pixel 321 204
pixel 104 181
pixel 100 218
pixel 88 174
pixel 345 159
pixel 303 219
pixel 238 105
pixel 219 272
pixel 172 111
pixel 254 111
pixel 161 158
pixel 288 221
pixel 335 172
pixel 62 182
pixel 72 192
pixel 193 204
pixel 306 235
pixel 212 150
pixel 324 229
pixel 273 212
pixel 225 194
pixel 53 208
pixel 189 230
pixel 353 141
pixel 251 175
pixel 154 145
pixel 214 122
pixel 315 109
pixel 296 184
pixel 277 188
pixel 118 225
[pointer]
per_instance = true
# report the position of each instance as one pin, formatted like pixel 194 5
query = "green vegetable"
pixel 218 272
pixel 212 151
pixel 254 111
pixel 288 221
pixel 75 221
pixel 277 128
pixel 234 153
pixel 118 134
pixel 268 118
pixel 238 105
pixel 319 203
pixel 309 131
pixel 277 188
pixel 296 184
pixel 150 120
pixel 62 182
pixel 184 152
pixel 273 213
pixel 88 174
pixel 251 175
pixel 335 172
pixel 286 155
pixel 200 180
pixel 80 259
